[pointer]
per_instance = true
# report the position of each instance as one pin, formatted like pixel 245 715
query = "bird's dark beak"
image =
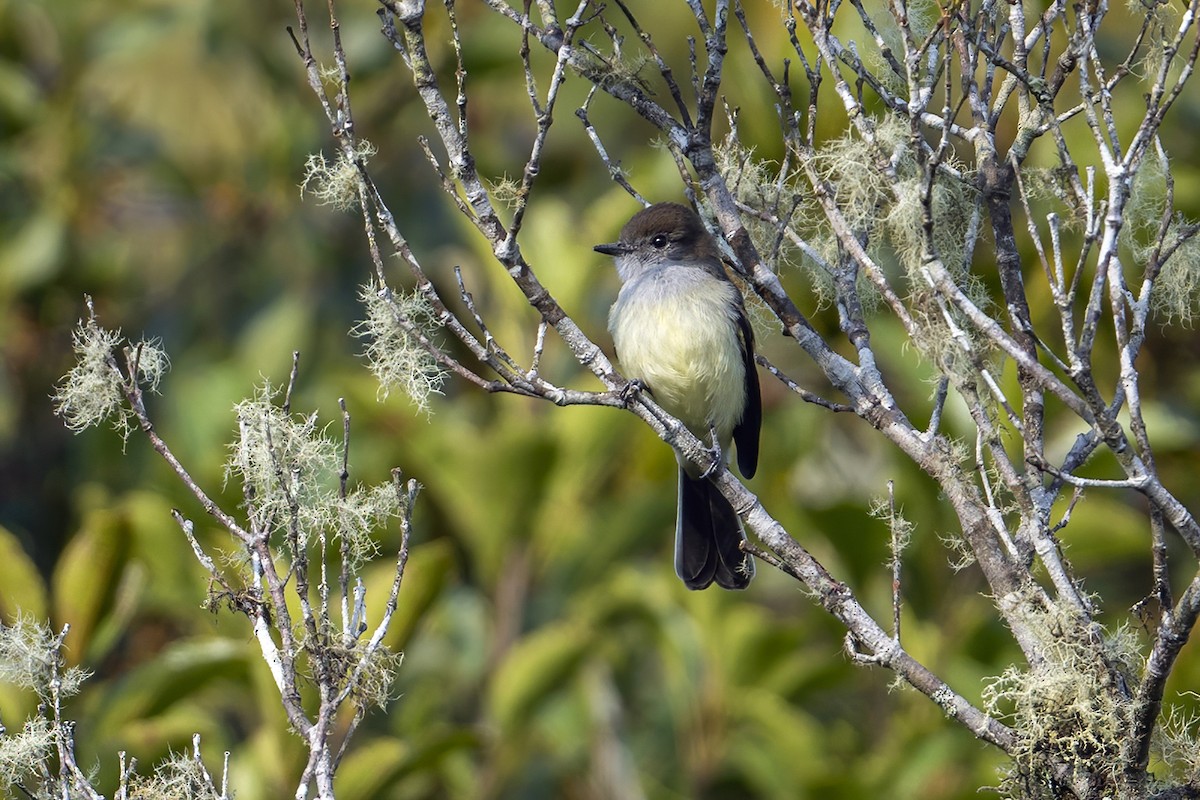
pixel 614 249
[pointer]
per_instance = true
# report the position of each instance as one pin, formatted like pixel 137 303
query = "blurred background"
pixel 151 153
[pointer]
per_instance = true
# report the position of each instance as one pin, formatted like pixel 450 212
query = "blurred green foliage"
pixel 150 155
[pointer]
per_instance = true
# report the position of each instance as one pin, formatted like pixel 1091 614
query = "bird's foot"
pixel 714 449
pixel 631 390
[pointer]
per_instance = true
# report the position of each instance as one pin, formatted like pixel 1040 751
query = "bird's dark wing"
pixel 745 434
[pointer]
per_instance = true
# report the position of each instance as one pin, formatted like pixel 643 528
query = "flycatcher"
pixel 680 328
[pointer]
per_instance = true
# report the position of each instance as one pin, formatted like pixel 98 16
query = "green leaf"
pixel 86 578
pixel 368 770
pixel 767 733
pixel 179 672
pixel 33 254
pixel 425 577
pixel 176 580
pixel 535 670
pixel 24 590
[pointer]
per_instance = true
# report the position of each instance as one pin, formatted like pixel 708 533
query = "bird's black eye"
pixel 660 241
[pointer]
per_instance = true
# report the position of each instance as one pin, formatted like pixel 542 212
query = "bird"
pixel 680 330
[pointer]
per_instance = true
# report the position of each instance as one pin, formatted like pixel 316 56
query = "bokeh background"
pixel 151 153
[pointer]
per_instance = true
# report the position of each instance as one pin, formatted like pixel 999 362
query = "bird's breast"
pixel 675 329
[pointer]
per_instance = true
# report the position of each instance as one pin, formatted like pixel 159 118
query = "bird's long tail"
pixel 707 538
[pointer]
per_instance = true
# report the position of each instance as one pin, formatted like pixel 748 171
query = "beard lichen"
pixel 881 193
pixel 1072 711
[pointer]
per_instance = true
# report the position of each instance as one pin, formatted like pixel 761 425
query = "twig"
pixel 805 394
pixel 898 543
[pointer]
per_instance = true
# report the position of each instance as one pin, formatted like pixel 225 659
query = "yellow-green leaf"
pixel 86 578
pixel 535 669
pixel 425 575
pixel 24 590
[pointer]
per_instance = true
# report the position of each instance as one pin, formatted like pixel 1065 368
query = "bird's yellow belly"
pixel 684 346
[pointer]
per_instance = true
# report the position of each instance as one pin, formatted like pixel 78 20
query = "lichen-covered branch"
pixel 925 196
pixel 295 483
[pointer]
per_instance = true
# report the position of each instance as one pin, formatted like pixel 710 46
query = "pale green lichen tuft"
pixel 152 363
pixel 1176 294
pixel 1177 743
pixel 287 465
pixel 23 754
pixel 336 183
pixel 507 191
pixel 878 188
pixel 292 472
pixel 363 511
pixel 373 686
pixel 367 671
pixel 178 777
pixel 394 329
pixel 330 74
pixel 1069 711
pixel 783 204
pixel 30 659
pixel 93 392
pixel 900 527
